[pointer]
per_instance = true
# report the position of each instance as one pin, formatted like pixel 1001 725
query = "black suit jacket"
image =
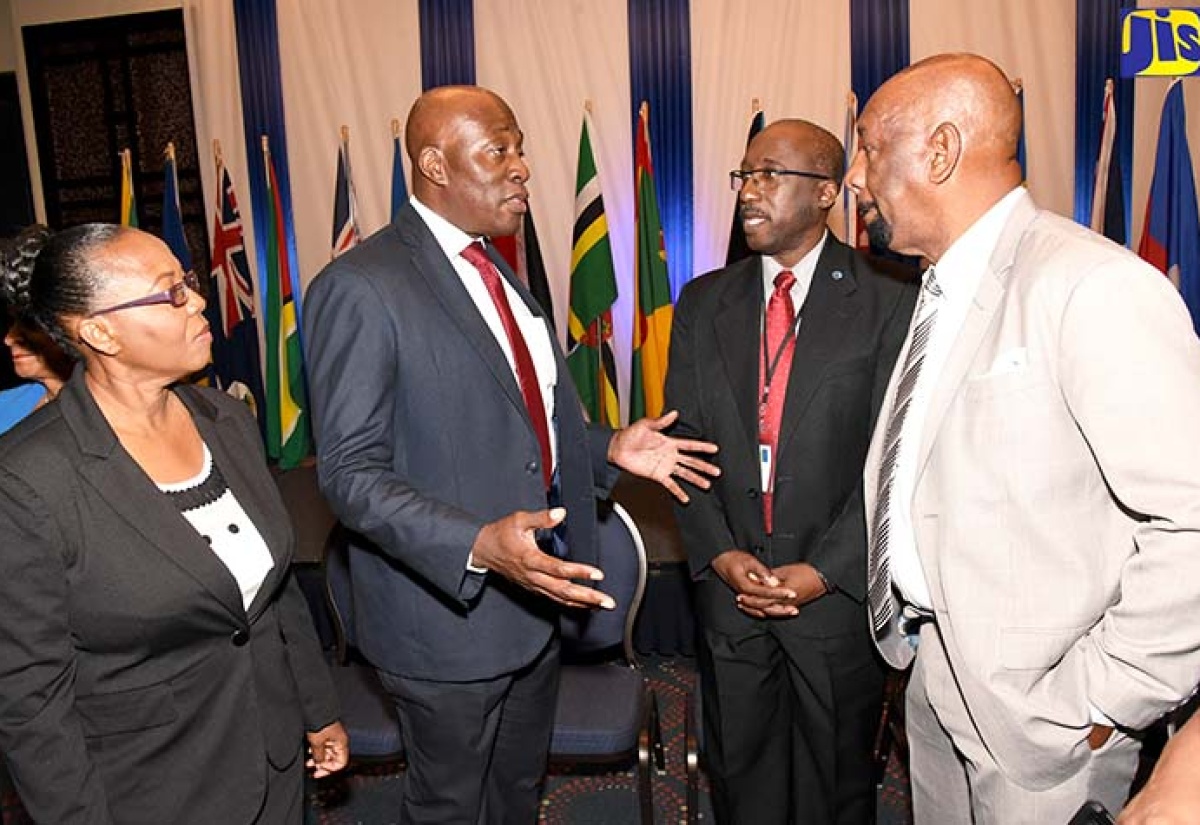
pixel 853 324
pixel 134 685
pixel 422 438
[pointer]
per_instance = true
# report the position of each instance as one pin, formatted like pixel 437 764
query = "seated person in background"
pixel 38 361
pixel 158 663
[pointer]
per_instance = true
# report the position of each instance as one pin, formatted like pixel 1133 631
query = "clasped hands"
pixel 768 593
pixel 508 547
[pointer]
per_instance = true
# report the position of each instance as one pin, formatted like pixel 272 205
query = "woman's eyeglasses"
pixel 176 296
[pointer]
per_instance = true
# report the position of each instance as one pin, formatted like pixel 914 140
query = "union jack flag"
pixel 236 359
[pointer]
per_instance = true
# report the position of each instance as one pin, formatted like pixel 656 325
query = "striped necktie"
pixel 879 576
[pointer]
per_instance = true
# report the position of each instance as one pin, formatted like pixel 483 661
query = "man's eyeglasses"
pixel 176 296
pixel 767 178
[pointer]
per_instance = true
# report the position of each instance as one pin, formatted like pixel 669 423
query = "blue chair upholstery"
pixel 606 712
pixel 367 712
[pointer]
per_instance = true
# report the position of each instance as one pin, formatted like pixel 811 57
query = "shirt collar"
pixel 450 238
pixel 961 268
pixel 803 270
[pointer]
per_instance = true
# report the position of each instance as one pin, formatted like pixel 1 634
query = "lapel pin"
pixel 836 275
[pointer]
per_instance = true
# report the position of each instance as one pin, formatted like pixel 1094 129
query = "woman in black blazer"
pixel 157 661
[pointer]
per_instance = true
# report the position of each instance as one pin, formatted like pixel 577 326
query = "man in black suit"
pixel 446 422
pixel 782 359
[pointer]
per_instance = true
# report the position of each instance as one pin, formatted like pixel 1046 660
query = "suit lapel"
pixel 259 501
pixel 737 328
pixel 430 263
pixel 825 322
pixel 978 321
pixel 117 478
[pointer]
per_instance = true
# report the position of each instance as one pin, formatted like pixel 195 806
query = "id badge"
pixel 764 466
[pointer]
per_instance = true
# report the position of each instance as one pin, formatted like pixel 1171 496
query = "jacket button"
pixel 531 467
pixel 752 493
pixel 239 637
pixel 757 549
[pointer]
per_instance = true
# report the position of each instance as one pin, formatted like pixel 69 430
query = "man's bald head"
pixel 938 148
pixel 468 159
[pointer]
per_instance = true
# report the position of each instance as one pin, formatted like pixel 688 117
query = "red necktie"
pixel 774 368
pixel 526 375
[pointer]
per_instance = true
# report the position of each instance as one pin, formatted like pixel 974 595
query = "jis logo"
pixel 1160 42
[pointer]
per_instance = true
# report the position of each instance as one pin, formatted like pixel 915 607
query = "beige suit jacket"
pixel 1057 501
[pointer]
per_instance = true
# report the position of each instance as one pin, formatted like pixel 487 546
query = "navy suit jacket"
pixel 422 438
pixel 134 685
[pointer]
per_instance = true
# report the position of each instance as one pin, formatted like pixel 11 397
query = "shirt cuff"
pixel 472 567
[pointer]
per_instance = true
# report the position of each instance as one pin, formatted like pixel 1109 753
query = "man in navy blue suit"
pixel 451 440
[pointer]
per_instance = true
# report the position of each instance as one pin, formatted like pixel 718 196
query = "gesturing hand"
pixel 507 548
pixel 644 450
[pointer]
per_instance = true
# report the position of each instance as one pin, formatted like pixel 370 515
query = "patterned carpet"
pixel 368 794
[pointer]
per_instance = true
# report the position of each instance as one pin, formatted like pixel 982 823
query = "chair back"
pixel 338 594
pixel 621 554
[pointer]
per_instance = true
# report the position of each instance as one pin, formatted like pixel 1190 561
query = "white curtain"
pixel 548 59
pixel 1033 40
pixel 794 57
pixel 344 64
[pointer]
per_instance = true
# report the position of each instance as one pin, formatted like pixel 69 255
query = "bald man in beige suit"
pixel 1033 485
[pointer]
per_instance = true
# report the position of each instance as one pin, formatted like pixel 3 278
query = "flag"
pixel 230 310
pixel 128 201
pixel 172 215
pixel 652 307
pixel 856 232
pixel 1171 236
pixel 288 439
pixel 1019 90
pixel 1108 193
pixel 345 209
pixel 738 249
pixel 524 255
pixel 399 190
pixel 593 291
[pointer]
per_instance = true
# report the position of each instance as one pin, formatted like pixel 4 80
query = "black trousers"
pixel 789 725
pixel 476 750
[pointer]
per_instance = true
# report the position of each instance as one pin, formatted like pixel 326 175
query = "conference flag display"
pixel 593 291
pixel 399 190
pixel 128 199
pixel 738 249
pixel 652 309
pixel 288 438
pixel 524 255
pixel 1108 192
pixel 231 314
pixel 1019 89
pixel 172 216
pixel 1171 236
pixel 345 209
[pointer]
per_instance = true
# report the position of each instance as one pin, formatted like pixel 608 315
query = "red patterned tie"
pixel 526 375
pixel 774 367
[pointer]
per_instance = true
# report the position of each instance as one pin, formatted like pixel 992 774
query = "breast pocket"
pixel 104 714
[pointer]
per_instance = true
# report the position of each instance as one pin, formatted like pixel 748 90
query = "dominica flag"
pixel 1171 236
pixel 230 310
pixel 593 291
pixel 288 439
pixel 652 309
pixel 172 215
pixel 128 200
pixel 399 190
pixel 345 208
pixel 738 249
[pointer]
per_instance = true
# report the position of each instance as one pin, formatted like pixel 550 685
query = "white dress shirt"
pixel 803 270
pixel 453 241
pixel 959 273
